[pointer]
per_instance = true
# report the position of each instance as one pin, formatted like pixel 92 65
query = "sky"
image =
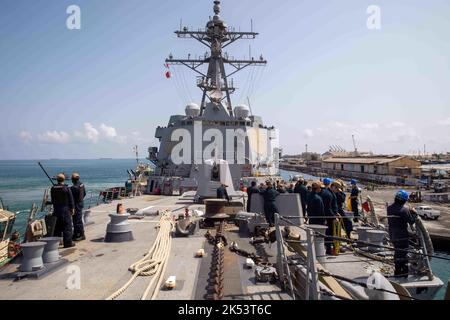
pixel 98 91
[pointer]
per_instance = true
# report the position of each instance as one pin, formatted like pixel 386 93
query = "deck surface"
pixel 103 267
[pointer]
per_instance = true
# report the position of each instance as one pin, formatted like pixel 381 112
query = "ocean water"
pixel 23 183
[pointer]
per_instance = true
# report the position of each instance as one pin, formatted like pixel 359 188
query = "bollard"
pixel 319 241
pixel 32 256
pixel 51 253
pixel 118 229
pixel 362 234
pixel 375 237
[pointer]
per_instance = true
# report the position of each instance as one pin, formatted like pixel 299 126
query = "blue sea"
pixel 23 183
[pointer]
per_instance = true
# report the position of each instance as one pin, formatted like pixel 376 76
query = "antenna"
pixel 354 143
pixel 135 149
pixel 249 105
pixel 214 83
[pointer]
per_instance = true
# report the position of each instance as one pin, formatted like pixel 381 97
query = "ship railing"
pixel 312 276
pixel 312 270
pixel 108 195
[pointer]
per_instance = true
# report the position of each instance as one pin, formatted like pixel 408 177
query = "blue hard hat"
pixel 326 181
pixel 402 195
pixel 353 182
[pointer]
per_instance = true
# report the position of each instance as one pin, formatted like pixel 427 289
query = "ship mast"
pixel 216 36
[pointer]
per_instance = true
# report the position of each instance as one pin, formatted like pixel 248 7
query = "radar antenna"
pixel 216 36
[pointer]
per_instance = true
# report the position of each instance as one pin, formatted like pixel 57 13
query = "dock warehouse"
pixel 400 166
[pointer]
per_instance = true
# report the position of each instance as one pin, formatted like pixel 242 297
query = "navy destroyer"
pixel 214 130
pixel 157 249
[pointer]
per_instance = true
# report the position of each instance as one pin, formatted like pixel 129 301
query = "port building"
pixel 375 168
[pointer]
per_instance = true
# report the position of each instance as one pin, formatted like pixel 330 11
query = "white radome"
pixel 192 110
pixel 242 111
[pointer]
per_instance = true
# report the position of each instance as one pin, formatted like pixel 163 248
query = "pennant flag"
pixel 168 75
pixel 365 206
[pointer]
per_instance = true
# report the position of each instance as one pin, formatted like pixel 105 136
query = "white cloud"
pixel 108 132
pixel 54 137
pixel 370 126
pixel 338 124
pixel 26 136
pixel 90 133
pixel 445 122
pixel 396 124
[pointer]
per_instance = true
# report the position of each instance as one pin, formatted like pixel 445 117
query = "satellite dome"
pixel 242 111
pixel 192 110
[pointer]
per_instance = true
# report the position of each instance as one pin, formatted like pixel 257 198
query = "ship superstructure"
pixel 214 129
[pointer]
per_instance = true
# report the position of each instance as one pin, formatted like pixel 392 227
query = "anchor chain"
pixel 216 280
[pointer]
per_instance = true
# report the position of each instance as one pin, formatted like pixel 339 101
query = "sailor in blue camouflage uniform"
pixel 316 214
pixel 270 207
pixel 354 198
pixel 79 192
pixel 63 209
pixel 250 191
pixel 330 211
pixel 398 218
pixel 221 192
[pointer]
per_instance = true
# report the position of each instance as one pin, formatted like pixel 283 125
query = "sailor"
pixel 290 189
pixel 398 219
pixel 354 196
pixel 120 209
pixel 330 211
pixel 222 192
pixel 253 189
pixel 270 207
pixel 78 192
pixel 300 188
pixel 281 188
pixel 63 209
pixel 316 214
pixel 338 188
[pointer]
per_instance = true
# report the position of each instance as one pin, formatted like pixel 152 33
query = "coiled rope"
pixel 154 263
